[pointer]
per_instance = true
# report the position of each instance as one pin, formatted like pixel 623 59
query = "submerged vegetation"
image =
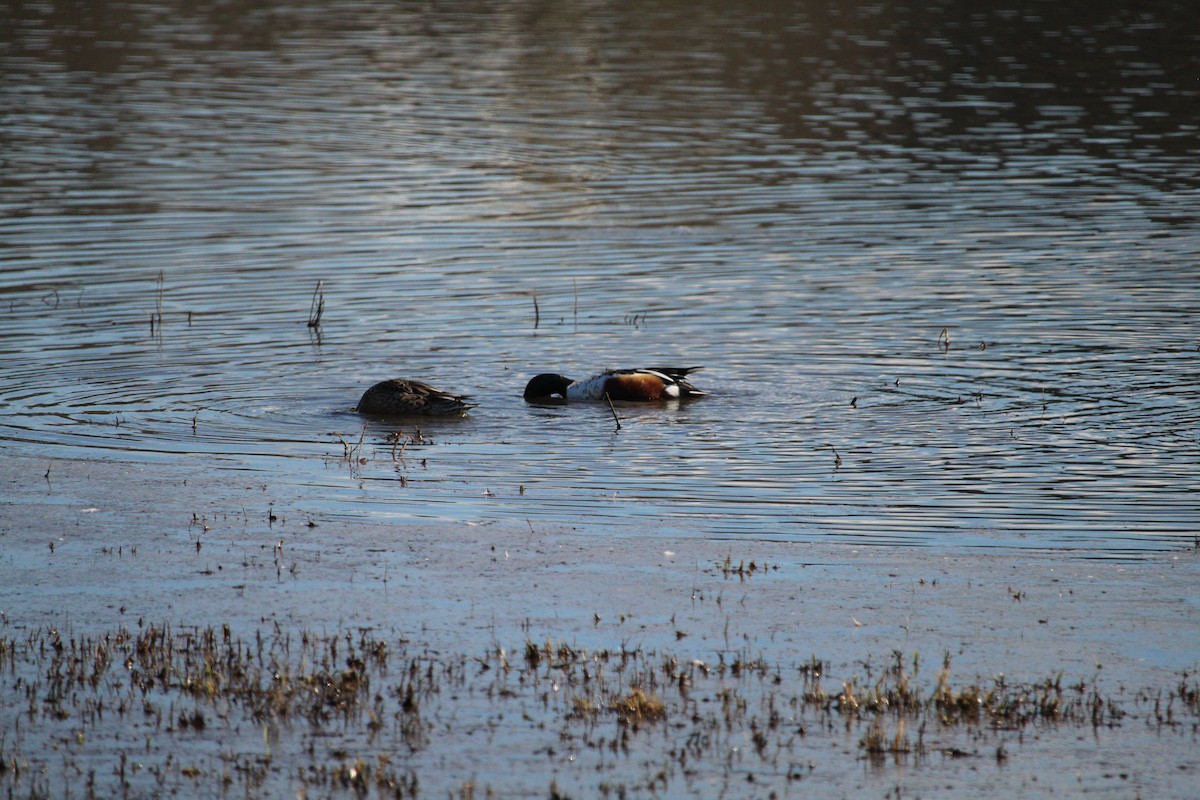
pixel 156 709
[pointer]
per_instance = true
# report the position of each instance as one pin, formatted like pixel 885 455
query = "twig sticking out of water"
pixel 537 314
pixel 837 459
pixel 944 340
pixel 398 441
pixel 352 454
pixel 613 409
pixel 317 307
pixel 156 317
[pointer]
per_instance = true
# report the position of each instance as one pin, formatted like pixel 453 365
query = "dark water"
pixel 942 261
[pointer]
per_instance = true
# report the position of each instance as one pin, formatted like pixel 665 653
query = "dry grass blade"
pixel 317 307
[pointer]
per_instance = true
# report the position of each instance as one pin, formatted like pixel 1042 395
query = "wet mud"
pixel 166 633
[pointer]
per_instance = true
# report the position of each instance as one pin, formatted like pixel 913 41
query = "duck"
pixel 399 397
pixel 649 384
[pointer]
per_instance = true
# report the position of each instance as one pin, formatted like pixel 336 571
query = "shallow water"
pixel 942 264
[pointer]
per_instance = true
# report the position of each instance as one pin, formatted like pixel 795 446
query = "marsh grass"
pixel 206 710
pixel 316 308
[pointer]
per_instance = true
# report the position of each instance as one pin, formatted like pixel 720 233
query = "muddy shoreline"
pixel 793 669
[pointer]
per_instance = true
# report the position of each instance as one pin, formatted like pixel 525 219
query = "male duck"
pixel 402 398
pixel 653 384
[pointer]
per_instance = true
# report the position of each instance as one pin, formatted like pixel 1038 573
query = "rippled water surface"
pixel 941 261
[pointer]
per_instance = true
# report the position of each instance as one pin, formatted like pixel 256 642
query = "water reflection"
pixel 940 260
